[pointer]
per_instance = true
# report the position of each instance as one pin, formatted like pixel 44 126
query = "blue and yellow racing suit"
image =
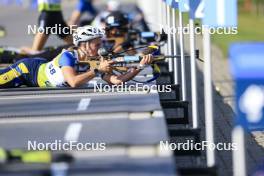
pixel 37 72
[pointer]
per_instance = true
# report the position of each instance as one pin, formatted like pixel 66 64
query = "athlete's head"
pixel 117 24
pixel 88 39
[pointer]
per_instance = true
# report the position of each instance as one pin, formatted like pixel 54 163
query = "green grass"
pixel 250 28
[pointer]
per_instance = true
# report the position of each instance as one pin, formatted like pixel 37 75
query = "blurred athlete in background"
pixel 50 17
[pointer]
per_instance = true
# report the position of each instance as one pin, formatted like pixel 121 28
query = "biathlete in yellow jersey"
pixel 62 71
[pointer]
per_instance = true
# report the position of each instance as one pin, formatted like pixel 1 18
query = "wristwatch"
pixel 97 72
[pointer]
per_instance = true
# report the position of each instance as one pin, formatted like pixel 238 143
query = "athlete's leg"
pixel 65 34
pixel 75 18
pixel 13 75
pixel 33 67
pixel 40 38
pixel 23 72
pixel 39 41
pixel 38 44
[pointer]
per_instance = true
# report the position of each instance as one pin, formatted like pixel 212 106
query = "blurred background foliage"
pixel 250 25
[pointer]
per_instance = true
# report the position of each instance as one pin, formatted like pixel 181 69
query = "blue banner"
pixel 169 2
pixel 175 4
pixel 220 13
pixel 247 68
pixel 184 5
pixel 172 3
pixel 196 9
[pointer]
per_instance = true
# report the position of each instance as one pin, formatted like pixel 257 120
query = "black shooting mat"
pixel 107 166
pixel 46 105
pixel 113 129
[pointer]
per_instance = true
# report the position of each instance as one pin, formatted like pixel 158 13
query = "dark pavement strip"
pixel 115 131
pixel 112 166
pixel 77 104
pixel 145 166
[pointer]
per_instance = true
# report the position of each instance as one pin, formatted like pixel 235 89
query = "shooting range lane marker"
pixel 73 131
pixel 83 104
pixel 194 95
pixel 139 116
pixel 175 52
pixel 52 119
pixel 158 114
pixel 208 98
pixel 221 12
pixel 183 75
pixel 135 151
pixel 239 157
pixel 168 12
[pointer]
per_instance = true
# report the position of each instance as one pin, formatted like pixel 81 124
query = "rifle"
pixel 121 62
pixel 124 62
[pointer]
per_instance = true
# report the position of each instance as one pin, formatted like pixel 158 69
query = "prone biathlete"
pixel 62 71
pixel 121 36
pixel 117 26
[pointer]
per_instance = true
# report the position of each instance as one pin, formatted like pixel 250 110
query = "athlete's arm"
pixel 75 80
pixel 119 79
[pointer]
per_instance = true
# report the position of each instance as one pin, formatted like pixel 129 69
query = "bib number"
pixel 52 69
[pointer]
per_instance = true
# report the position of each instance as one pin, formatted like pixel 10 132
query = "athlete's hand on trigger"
pixel 105 66
pixel 146 60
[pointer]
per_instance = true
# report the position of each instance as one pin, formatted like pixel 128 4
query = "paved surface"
pixel 27 106
pixel 110 128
